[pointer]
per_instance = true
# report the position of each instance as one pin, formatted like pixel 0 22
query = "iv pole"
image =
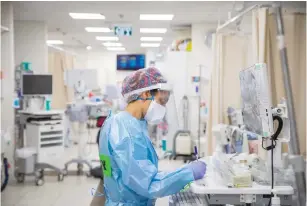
pixel 296 158
pixel 199 103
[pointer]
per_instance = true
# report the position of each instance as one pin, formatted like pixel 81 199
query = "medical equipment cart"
pixel 44 133
pixel 210 191
pixel 205 196
pixel 32 94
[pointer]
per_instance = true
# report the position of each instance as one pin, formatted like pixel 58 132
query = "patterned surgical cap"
pixel 141 79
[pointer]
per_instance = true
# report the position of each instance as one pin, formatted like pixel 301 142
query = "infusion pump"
pixel 183 144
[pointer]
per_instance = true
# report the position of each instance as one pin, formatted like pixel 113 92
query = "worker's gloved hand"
pixel 198 168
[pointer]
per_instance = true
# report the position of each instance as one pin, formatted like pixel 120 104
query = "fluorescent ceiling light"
pixel 54 42
pixel 88 47
pixel 116 48
pixel 112 44
pixel 107 38
pixel 151 38
pixel 153 30
pixel 150 44
pixel 98 29
pixel 86 16
pixel 161 17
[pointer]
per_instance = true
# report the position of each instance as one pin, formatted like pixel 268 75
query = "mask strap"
pixel 150 98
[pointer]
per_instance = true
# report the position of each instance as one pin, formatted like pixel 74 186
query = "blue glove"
pixel 198 168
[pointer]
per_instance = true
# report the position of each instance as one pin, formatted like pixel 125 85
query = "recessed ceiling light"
pixel 107 38
pixel 158 17
pixel 153 30
pixel 54 42
pixel 88 47
pixel 98 29
pixel 151 38
pixel 86 16
pixel 150 44
pixel 116 48
pixel 112 44
pixel 159 55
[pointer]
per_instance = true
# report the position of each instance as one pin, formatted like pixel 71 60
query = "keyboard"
pixel 187 199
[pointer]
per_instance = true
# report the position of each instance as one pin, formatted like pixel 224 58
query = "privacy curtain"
pixel 58 63
pixel 232 54
pixel 264 33
pixel 214 100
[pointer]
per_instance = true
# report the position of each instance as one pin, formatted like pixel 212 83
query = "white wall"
pixel 200 55
pixel 179 67
pixel 105 63
pixel 172 66
pixel 30 44
pixel 7 84
pixel 182 34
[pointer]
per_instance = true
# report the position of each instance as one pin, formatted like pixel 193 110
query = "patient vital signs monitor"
pixel 36 85
pixel 256 100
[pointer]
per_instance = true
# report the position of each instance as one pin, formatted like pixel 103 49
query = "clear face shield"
pixel 163 103
pixel 168 125
pixel 157 109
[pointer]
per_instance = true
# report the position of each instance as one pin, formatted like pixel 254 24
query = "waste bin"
pixel 26 159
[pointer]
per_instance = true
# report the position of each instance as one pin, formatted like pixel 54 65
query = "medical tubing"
pixel 6 174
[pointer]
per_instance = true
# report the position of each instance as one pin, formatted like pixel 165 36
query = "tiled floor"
pixel 73 191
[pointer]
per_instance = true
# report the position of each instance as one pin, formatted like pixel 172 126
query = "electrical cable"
pixel 279 128
pixel 6 174
pixel 274 138
pixel 272 171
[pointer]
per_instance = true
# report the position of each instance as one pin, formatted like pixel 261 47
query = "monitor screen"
pixel 256 100
pixel 37 84
pixel 130 62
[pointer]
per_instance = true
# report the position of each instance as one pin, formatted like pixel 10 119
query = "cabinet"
pixel 47 139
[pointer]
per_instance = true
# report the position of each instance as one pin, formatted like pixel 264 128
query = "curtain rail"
pixel 232 20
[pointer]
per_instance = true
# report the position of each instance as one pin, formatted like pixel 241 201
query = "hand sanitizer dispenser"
pixel 47 104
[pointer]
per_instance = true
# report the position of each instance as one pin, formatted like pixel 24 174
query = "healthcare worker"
pixel 129 161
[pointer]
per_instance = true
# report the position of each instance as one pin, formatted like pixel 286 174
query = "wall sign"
pixel 123 31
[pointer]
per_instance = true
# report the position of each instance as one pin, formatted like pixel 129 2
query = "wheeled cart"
pixel 27 165
pixel 42 144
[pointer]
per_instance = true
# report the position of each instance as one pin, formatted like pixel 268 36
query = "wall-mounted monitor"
pixel 36 85
pixel 130 62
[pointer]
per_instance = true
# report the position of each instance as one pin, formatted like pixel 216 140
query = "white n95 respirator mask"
pixel 155 113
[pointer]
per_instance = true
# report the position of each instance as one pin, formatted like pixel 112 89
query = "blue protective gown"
pixel 135 180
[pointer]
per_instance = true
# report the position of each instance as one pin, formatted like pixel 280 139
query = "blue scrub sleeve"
pixel 141 175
